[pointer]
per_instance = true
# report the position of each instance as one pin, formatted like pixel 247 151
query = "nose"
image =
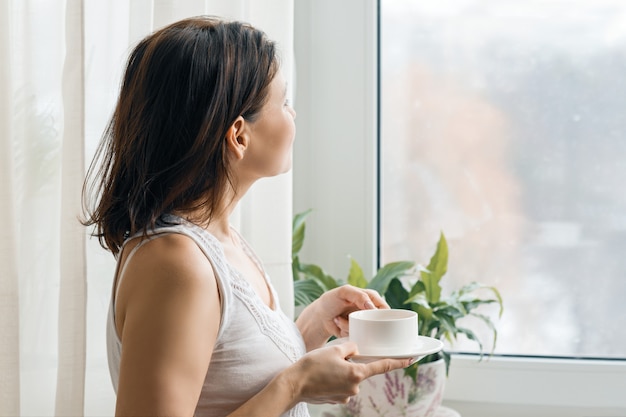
pixel 293 113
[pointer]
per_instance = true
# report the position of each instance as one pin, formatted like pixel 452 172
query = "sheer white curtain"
pixel 61 61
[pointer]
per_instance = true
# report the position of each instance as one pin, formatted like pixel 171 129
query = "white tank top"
pixel 253 344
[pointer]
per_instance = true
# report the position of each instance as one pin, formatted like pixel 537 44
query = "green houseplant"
pixel 417 390
pixel 404 285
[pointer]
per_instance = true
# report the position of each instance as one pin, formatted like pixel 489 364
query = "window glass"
pixel 502 125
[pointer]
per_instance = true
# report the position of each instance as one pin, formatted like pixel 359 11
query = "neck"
pixel 218 222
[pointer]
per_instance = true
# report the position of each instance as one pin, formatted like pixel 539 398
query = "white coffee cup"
pixel 384 332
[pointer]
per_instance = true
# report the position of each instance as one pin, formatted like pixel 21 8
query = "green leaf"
pixel 396 295
pixel 295 268
pixel 491 326
pixel 446 324
pixel 436 269
pixel 392 270
pixel 499 297
pixel 417 288
pixel 419 304
pixel 431 327
pixel 473 286
pixel 424 318
pixel 469 288
pixel 439 261
pixel 471 336
pixel 452 310
pixel 306 291
pixel 298 232
pixel 315 272
pixel 471 304
pixel 355 276
pixel 446 358
pixel 453 303
pixel 411 371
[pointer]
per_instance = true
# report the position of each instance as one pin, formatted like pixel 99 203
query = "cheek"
pixel 284 133
pixel 291 129
pixel 285 143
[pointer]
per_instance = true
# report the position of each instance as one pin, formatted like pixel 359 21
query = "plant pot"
pixel 393 394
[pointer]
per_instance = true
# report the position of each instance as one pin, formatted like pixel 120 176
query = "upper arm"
pixel 169 311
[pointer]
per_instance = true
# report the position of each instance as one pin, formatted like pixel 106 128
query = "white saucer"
pixel 423 346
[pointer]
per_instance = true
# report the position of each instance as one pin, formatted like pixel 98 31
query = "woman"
pixel 194 325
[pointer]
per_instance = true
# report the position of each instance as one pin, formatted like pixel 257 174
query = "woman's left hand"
pixel 328 315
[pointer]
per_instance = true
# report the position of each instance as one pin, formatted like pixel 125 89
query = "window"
pixel 502 125
pixel 335 158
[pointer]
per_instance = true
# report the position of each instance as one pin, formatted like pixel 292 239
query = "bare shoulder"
pixel 174 258
pixel 168 316
pixel 164 270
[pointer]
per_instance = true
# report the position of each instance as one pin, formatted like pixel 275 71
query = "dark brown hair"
pixel 164 147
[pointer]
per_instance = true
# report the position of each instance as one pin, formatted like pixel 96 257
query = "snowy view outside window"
pixel 503 124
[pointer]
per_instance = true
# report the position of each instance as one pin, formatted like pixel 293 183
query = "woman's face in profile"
pixel 272 133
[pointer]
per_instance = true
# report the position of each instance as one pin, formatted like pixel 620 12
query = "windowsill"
pixel 474 409
pixel 540 386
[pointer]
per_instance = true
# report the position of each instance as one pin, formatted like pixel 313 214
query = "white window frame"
pixel 335 174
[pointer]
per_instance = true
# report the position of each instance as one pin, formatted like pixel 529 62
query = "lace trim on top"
pixel 266 318
pixel 300 410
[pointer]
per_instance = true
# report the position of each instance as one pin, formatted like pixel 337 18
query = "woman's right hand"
pixel 325 375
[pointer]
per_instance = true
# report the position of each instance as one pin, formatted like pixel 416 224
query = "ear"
pixel 237 138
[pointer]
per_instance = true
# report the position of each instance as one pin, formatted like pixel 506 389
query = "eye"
pixel 287 103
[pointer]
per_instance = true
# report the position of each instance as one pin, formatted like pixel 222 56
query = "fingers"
pixel 377 300
pixel 385 365
pixel 342 326
pixel 354 299
pixel 364 299
pixel 347 349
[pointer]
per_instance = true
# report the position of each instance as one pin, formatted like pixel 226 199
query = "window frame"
pixel 335 174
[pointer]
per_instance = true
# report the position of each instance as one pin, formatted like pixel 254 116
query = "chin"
pixel 280 169
pixel 279 172
pixel 286 167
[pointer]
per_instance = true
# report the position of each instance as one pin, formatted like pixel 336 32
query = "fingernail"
pixel 369 305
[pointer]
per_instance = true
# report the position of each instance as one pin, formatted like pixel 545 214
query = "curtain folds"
pixel 61 65
pixel 9 293
pixel 72 339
